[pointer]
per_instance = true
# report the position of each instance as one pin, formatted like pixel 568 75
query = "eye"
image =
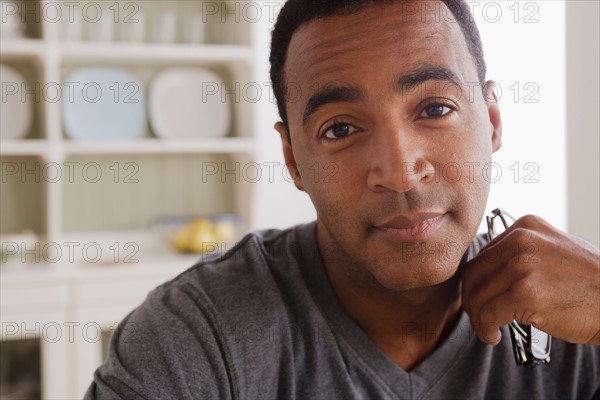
pixel 435 111
pixel 338 130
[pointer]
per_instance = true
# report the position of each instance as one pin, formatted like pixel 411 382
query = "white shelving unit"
pixel 170 181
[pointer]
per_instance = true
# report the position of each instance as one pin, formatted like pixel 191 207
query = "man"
pixel 367 302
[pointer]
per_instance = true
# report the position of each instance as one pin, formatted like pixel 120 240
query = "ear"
pixel 288 155
pixel 491 100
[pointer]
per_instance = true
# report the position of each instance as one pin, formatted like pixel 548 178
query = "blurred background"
pixel 137 137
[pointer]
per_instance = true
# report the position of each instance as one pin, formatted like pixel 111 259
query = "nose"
pixel 399 160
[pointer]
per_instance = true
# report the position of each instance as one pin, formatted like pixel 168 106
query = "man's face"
pixel 390 138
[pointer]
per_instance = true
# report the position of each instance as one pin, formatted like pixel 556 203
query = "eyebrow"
pixel 405 83
pixel 328 95
pixel 414 78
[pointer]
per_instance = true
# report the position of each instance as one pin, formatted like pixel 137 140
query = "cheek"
pixel 473 152
pixel 329 185
pixel 474 184
pixel 335 187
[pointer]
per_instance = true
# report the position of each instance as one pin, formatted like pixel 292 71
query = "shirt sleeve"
pixel 166 349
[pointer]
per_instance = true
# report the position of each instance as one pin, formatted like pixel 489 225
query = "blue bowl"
pixel 103 103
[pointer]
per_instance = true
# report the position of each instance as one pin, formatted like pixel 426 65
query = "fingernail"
pixel 496 337
pixel 492 335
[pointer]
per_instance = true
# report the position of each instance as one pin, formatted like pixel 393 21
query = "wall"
pixel 278 204
pixel 583 118
pixel 524 50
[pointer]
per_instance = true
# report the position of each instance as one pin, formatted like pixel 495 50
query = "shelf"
pixel 115 51
pixel 158 146
pixel 23 47
pixel 40 273
pixel 25 147
pixel 123 253
pixel 42 147
pixel 163 53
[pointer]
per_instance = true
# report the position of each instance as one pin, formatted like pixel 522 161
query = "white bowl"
pixel 16 111
pixel 188 103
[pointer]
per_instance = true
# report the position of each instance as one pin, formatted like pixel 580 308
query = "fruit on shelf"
pixel 202 236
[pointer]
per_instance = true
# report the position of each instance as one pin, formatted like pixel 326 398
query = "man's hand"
pixel 538 275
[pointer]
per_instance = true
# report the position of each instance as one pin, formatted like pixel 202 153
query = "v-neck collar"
pixel 397 381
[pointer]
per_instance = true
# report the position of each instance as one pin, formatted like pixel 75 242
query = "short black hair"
pixel 298 12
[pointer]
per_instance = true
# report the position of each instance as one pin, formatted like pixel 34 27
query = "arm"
pixel 164 349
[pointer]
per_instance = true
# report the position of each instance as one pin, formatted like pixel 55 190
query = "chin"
pixel 414 274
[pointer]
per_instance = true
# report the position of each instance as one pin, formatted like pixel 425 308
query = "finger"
pixel 487 333
pixel 528 222
pixel 512 274
pixel 520 244
pixel 491 317
pixel 527 229
pixel 515 303
pixel 478 271
pixel 491 286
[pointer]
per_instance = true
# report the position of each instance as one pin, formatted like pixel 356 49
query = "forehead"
pixel 374 42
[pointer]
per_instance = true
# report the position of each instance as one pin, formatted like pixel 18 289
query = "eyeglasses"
pixel 530 345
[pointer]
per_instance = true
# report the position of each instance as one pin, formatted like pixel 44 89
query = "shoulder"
pixel 247 271
pixel 189 337
pixel 226 293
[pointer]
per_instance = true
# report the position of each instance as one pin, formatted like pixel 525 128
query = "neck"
pixel 407 326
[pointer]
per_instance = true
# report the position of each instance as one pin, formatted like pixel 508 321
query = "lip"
pixel 412 228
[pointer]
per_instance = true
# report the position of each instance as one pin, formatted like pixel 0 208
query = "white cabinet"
pixel 55 186
pixel 71 311
pixel 36 308
pixel 81 197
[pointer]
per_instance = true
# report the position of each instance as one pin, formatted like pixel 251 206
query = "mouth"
pixel 412 228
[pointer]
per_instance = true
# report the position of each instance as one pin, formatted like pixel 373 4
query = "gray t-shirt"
pixel 262 322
